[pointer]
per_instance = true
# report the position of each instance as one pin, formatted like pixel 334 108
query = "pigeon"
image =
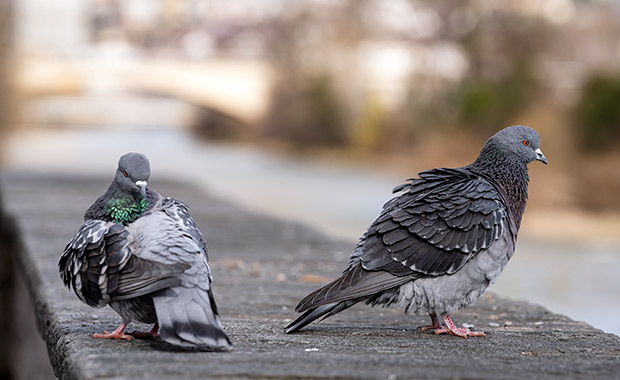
pixel 143 255
pixel 441 241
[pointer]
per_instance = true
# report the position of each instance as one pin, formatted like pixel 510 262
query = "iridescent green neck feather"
pixel 125 210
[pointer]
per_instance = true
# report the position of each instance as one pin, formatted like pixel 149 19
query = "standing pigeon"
pixel 143 255
pixel 438 245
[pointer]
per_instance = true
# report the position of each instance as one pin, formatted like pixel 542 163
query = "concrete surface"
pixel 262 267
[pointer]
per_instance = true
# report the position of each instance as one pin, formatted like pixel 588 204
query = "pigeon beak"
pixel 540 156
pixel 142 186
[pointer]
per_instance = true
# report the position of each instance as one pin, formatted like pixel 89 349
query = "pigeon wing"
pixel 439 221
pixel 187 314
pixel 100 266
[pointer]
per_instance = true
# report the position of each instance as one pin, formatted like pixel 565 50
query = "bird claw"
pixel 450 327
pixel 436 325
pixel 112 335
pixel 116 334
pixel 459 331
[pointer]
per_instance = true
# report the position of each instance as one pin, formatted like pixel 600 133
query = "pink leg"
pixel 456 331
pixel 116 334
pixel 436 325
pixel 153 334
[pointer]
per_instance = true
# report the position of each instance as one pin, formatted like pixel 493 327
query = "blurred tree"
pixel 370 127
pixel 597 120
pixel 213 125
pixel 306 113
pixel 307 108
pixel 486 104
pixel 501 49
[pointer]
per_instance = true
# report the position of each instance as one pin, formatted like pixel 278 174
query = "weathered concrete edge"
pixel 7 284
pixel 28 270
pixel 63 352
pixel 49 328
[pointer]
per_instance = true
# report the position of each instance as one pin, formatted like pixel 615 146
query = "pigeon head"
pixel 518 144
pixel 504 160
pixel 127 198
pixel 133 173
pixel 522 141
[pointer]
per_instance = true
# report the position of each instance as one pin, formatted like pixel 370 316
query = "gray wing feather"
pixel 92 260
pixel 140 277
pixel 101 267
pixel 187 314
pixel 179 212
pixel 438 223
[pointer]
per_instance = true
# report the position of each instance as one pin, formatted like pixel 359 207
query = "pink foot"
pixel 451 329
pixel 153 334
pixel 436 325
pixel 116 334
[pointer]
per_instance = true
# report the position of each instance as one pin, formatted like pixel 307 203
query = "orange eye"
pixel 526 142
pixel 125 173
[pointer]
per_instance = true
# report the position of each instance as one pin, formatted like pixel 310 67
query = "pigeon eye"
pixel 125 173
pixel 525 142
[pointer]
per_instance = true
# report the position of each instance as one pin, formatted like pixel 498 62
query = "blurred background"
pixel 313 110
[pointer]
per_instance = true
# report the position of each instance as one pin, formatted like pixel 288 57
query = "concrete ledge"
pixel 262 267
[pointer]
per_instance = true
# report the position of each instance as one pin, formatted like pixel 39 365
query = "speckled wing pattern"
pixel 99 265
pixel 438 222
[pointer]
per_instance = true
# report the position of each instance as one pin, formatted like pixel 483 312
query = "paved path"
pixel 262 267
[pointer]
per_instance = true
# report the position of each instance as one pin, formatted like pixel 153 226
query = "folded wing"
pixel 438 222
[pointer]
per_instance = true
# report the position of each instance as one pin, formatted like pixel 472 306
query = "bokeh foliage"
pixel 597 114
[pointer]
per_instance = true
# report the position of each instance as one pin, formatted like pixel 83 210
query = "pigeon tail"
pixel 187 317
pixel 316 313
pixel 356 284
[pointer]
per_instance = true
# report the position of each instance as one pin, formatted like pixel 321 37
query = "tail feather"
pixel 187 317
pixel 316 313
pixel 357 283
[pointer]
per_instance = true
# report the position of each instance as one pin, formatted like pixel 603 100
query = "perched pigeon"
pixel 143 255
pixel 438 245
